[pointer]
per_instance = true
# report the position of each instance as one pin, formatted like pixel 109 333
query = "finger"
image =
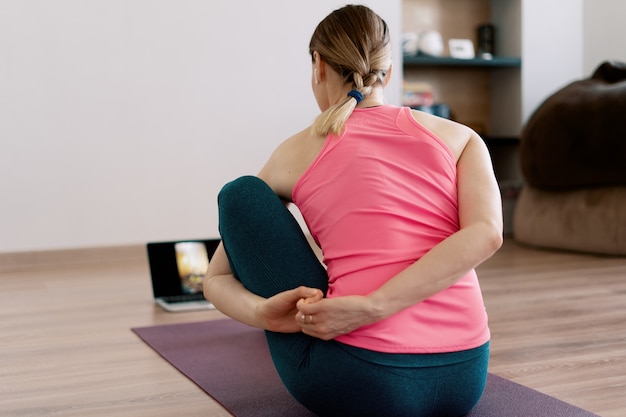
pixel 311 294
pixel 317 295
pixel 307 306
pixel 305 318
pixel 301 318
pixel 293 295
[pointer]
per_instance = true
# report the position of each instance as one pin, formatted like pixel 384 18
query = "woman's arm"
pixel 226 292
pixel 276 313
pixel 479 236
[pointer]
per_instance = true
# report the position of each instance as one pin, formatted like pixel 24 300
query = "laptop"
pixel 177 269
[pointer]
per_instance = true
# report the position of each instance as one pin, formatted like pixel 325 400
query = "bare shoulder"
pixel 455 135
pixel 289 161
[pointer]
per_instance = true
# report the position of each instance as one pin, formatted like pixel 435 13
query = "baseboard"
pixel 16 261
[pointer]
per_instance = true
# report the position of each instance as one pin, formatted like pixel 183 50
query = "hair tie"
pixel 355 94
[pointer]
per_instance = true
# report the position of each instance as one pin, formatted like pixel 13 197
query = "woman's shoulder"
pixel 289 161
pixel 455 135
pixel 296 147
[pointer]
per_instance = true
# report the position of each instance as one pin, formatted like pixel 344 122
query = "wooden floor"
pixel 558 322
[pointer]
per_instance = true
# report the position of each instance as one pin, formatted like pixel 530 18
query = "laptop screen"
pixel 178 267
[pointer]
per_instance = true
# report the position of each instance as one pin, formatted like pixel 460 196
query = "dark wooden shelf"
pixel 429 61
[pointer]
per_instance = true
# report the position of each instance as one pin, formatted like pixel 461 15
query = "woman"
pixel 404 206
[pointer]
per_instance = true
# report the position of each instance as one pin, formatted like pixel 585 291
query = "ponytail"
pixel 333 120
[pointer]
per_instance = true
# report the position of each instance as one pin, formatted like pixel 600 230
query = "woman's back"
pixel 376 199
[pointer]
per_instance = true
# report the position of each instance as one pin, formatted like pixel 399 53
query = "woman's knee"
pixel 241 189
pixel 249 203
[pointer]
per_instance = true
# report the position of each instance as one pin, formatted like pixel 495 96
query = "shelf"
pixel 428 61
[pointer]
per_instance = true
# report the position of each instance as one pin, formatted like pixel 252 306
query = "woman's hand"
pixel 278 312
pixel 328 318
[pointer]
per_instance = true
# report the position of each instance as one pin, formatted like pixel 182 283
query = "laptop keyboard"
pixel 184 298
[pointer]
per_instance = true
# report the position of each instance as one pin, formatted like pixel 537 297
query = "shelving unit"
pixel 429 61
pixel 484 94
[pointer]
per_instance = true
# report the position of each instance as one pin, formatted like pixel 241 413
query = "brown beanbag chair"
pixel 577 137
pixel 590 220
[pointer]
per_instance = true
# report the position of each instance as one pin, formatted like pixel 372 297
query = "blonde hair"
pixel 354 41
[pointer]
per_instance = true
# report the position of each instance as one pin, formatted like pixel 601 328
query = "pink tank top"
pixel 376 199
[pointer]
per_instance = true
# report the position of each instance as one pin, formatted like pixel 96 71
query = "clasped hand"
pixel 305 309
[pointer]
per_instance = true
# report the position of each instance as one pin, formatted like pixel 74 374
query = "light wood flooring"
pixel 558 322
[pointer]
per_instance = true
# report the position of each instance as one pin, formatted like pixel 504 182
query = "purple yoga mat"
pixel 230 362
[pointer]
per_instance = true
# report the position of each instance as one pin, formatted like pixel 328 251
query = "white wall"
pixel 552 38
pixel 566 40
pixel 605 33
pixel 121 119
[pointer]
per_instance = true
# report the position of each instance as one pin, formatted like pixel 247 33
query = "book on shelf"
pixel 417 94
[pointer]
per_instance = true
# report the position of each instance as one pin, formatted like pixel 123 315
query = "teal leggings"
pixel 269 253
